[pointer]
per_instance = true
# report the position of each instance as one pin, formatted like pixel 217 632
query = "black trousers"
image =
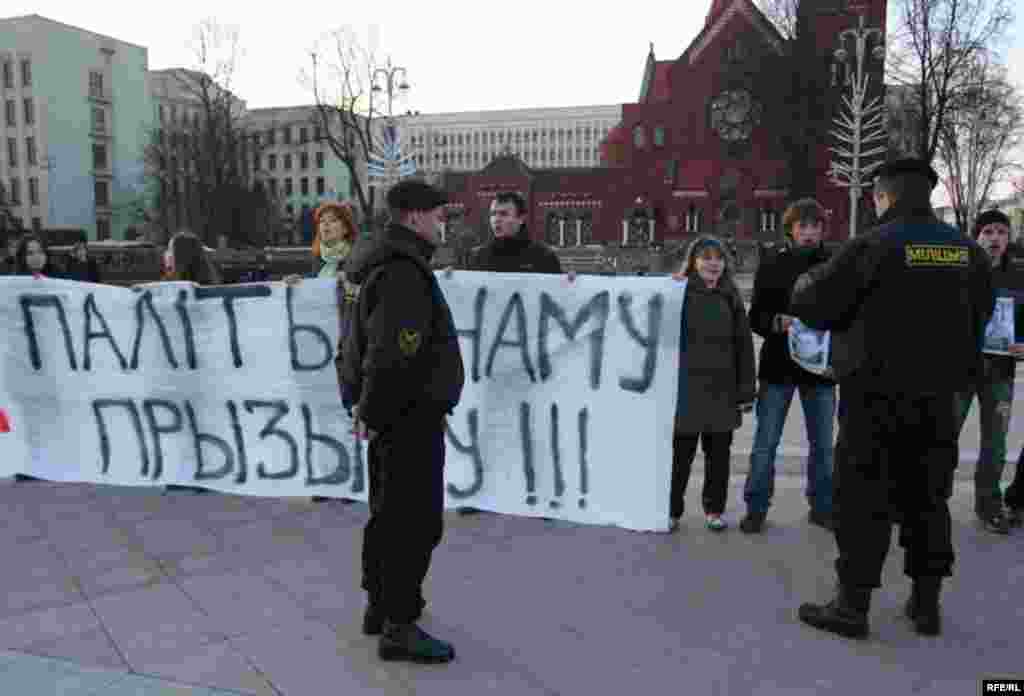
pixel 894 462
pixel 717 450
pixel 406 475
pixel 1013 497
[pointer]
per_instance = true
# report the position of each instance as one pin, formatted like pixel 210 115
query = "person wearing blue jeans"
pixel 780 377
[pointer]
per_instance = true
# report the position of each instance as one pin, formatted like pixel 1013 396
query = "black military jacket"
pixel 401 357
pixel 907 304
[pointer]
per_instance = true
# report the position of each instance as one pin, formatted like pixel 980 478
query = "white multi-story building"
pixel 543 138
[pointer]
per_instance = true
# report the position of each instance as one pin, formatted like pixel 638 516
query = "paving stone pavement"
pixel 117 590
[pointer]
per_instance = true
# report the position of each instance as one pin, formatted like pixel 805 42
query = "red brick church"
pixel 697 153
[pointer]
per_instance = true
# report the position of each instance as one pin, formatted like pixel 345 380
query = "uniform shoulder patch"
pixel 409 341
pixel 936 255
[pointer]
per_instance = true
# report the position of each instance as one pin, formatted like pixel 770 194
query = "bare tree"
pixel 934 45
pixel 348 109
pixel 983 126
pixel 200 162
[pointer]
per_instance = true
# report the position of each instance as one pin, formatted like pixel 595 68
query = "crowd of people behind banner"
pixel 718 379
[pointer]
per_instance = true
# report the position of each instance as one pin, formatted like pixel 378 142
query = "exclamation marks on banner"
pixel 556 459
pixel 584 417
pixel 527 440
pixel 530 472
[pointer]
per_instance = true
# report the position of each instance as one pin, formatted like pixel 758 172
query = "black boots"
pixel 373 622
pixel 845 615
pixel 411 643
pixel 753 522
pixel 923 606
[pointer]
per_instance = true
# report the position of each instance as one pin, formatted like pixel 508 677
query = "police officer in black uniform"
pixel 907 304
pixel 402 372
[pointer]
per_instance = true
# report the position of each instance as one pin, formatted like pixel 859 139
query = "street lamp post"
pixel 861 128
pixel 387 162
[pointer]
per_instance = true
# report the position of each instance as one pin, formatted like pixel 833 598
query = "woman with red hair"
pixel 336 234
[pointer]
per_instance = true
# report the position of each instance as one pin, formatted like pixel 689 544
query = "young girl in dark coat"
pixel 716 377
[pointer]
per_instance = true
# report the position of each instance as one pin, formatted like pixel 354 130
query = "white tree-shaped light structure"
pixel 388 163
pixel 860 126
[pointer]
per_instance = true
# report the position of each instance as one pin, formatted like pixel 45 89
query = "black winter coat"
pixel 401 356
pixel 777 271
pixel 907 304
pixel 518 254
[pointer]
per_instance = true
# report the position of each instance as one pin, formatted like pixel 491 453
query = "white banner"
pixel 567 412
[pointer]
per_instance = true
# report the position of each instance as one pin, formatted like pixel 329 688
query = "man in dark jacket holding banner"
pixel 401 374
pixel 907 304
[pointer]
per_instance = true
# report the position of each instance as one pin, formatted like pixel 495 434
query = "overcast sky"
pixel 460 55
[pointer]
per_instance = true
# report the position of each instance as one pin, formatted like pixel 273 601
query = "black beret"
pixel 989 217
pixel 908 166
pixel 413 194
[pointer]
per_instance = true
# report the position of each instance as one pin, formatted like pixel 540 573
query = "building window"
pixel 102 190
pixel 671 171
pixel 320 160
pixel 256 162
pixel 288 186
pixel 290 209
pixel 639 138
pixel 163 113
pixel 256 139
pixel 287 162
pixel 26 73
pixel 30 151
pixel 304 160
pixel 10 111
pixel 37 225
pixel 273 187
pixel 319 186
pixel 33 191
pixel 272 162
pixel 270 137
pixel 15 191
pixel 303 136
pixel 12 152
pixel 316 133
pixel 99 156
pixel 769 220
pixel 30 111
pixel 99 120
pixel 286 135
pixel 96 86
pixel 102 228
pixel 8 75
pixel 693 220
pixel 659 137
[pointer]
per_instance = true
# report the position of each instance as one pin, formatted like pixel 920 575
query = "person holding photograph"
pixel 716 377
pixel 994 387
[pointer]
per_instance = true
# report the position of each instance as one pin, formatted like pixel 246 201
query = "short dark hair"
pixel 515 198
pixel 412 194
pixel 906 187
pixel 805 210
pixel 990 217
pixel 21 256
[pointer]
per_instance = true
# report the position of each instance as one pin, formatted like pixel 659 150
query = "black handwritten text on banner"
pixel 567 410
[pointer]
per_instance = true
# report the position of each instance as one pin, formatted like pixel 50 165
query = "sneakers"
pixel 995 523
pixel 846 615
pixel 715 523
pixel 411 643
pixel 753 522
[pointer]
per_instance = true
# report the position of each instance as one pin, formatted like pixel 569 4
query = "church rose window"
pixel 734 113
